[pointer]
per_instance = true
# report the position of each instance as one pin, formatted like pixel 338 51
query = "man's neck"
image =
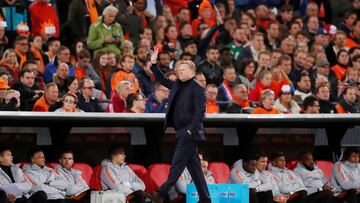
pixel 87 98
pixel 134 109
pixel 237 43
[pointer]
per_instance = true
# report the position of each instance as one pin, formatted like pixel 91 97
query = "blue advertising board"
pixel 221 193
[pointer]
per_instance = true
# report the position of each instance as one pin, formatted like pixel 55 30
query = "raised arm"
pixel 159 76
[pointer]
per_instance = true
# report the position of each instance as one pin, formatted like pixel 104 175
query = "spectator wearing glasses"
pixel 69 102
pixel 135 103
pixel 158 101
pixel 22 50
pixel 63 56
pixel 87 102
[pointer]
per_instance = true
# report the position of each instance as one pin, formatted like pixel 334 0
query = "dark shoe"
pixel 204 201
pixel 157 197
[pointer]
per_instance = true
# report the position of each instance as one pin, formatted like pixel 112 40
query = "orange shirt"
pixel 350 43
pixel 123 75
pixel 37 54
pixel 212 107
pixel 41 105
pixel 261 110
pixel 79 72
pixel 23 57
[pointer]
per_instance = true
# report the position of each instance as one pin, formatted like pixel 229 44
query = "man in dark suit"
pixel 185 113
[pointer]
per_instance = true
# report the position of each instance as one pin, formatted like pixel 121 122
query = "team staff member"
pixel 185 113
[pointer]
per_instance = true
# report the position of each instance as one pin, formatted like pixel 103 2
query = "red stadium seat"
pixel 51 164
pixel 86 171
pixel 220 171
pixel 142 172
pixel 326 167
pixel 291 164
pixel 95 179
pixel 158 174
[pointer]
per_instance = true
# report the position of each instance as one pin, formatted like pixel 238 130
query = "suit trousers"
pixel 186 156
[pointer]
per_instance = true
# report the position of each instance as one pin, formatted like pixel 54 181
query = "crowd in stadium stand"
pixel 270 178
pixel 75 55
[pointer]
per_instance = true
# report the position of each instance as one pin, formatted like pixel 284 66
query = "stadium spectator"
pixel 142 71
pixel 314 179
pixel 164 61
pixel 264 60
pixel 102 68
pixel 105 33
pixel 157 102
pixel 253 51
pixel 263 82
pixel 335 46
pixel 117 103
pixel 200 78
pixel 53 48
pixel 275 56
pixel 266 104
pixel 83 67
pixel 342 65
pixel 285 104
pixel 50 97
pixel 22 50
pixel 347 101
pixel 246 73
pixel 10 99
pixel 69 101
pixel 86 100
pixel 44 178
pixel 272 36
pixel 247 173
pixel 77 189
pixel 354 36
pixel 303 89
pixel 72 84
pixel 287 46
pixel 311 105
pixel 287 181
pixel 135 103
pixel 116 175
pixel 240 102
pixel 323 69
pixel 127 63
pixel 3 39
pixel 209 67
pixel 345 176
pixel 59 78
pixel 225 34
pixel 11 174
pixel 127 47
pixel 323 94
pixel 36 44
pixel 298 68
pixel 29 91
pixel 44 19
pixel 239 40
pixel 225 92
pixel 211 92
pixel 279 79
pixel 10 62
pixel 226 57
pixel 206 16
pixel 62 56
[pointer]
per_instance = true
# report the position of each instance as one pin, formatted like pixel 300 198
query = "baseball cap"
pixel 322 63
pixel 321 31
pixel 169 47
pixel 285 89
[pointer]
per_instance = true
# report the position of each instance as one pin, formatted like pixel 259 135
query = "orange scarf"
pixel 37 55
pixel 22 57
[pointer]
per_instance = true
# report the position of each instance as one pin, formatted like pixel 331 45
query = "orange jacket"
pixel 212 107
pixel 261 110
pixel 340 109
pixel 123 75
pixel 41 105
pixel 339 71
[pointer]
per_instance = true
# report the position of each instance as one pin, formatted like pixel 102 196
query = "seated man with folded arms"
pixel 314 179
pixel 288 182
pixel 44 178
pixel 246 173
pixel 345 176
pixel 116 175
pixel 11 174
pixel 178 192
pixel 76 187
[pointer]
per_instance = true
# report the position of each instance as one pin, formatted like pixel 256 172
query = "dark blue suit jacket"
pixel 192 106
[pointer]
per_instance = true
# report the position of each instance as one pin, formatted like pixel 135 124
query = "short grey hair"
pixel 122 84
pixel 110 8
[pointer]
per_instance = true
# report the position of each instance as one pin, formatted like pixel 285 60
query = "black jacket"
pixel 27 99
pixel 91 106
pixel 212 72
pixel 188 99
pixel 326 107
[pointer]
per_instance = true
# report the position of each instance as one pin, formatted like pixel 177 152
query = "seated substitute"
pixel 11 174
pixel 116 175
